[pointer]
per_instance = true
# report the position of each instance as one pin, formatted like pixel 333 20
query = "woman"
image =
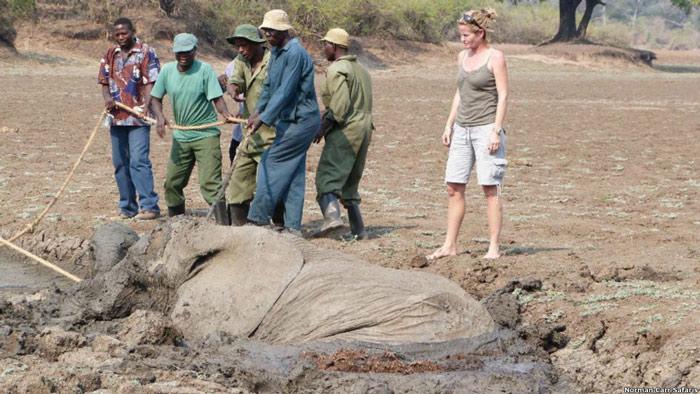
pixel 474 130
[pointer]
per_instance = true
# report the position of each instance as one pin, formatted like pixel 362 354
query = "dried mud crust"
pixel 601 197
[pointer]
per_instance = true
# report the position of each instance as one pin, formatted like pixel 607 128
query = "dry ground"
pixel 601 194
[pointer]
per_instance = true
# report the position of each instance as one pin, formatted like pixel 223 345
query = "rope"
pixel 30 227
pixel 178 127
pixel 41 261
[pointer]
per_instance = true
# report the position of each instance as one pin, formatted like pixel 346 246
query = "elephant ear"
pixel 238 280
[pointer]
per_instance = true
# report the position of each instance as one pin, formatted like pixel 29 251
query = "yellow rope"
pixel 178 127
pixel 40 260
pixel 30 227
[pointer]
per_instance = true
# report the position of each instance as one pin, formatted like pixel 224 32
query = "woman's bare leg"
pixel 455 214
pixel 494 214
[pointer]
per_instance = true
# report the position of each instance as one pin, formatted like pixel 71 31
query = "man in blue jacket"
pixel 288 103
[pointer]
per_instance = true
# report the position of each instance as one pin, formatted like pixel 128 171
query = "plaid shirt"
pixel 127 78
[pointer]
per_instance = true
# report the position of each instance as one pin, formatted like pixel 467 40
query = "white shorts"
pixel 469 146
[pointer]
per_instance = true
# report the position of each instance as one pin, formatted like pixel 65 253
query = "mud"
pixel 121 337
pixel 596 207
pixel 21 276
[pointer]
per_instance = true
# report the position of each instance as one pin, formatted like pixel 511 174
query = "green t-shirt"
pixel 191 94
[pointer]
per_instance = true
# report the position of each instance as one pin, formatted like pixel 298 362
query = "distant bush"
pixel 612 33
pixel 529 22
pixel 526 24
pixel 11 10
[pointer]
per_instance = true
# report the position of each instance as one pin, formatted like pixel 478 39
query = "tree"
pixel 568 31
pixel 686 5
pixel 567 20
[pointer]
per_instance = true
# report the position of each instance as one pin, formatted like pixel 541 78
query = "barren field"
pixel 601 199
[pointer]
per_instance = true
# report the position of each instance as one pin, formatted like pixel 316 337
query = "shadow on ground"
pixel 677 68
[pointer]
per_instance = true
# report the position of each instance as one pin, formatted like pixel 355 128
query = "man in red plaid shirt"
pixel 127 73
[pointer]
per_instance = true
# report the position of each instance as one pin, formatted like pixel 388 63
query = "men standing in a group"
pixel 193 87
pixel 247 78
pixel 127 73
pixel 288 103
pixel 347 127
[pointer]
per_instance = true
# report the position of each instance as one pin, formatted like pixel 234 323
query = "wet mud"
pixel 114 331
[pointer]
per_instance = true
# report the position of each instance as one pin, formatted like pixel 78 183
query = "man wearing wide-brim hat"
pixel 288 103
pixel 347 128
pixel 247 76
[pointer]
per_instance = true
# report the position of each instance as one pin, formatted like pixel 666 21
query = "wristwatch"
pixel 501 131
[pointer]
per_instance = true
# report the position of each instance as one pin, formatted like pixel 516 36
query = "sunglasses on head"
pixel 468 18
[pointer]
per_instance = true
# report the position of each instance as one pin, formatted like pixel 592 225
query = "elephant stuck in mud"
pixel 256 283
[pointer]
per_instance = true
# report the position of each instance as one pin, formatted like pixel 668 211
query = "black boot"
pixel 357 227
pixel 278 215
pixel 238 213
pixel 330 207
pixel 176 210
pixel 221 214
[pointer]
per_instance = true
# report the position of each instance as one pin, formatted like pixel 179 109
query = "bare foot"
pixel 444 251
pixel 492 254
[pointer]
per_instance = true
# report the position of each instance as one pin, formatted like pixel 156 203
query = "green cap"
pixel 184 42
pixel 247 32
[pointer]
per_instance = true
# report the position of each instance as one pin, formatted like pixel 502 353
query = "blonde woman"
pixel 474 130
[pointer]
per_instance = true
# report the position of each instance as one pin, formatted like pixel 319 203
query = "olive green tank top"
pixel 478 96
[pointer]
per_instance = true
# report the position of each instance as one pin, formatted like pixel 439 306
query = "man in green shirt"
pixel 192 87
pixel 347 128
pixel 247 78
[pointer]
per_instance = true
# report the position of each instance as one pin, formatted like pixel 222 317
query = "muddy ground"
pixel 601 206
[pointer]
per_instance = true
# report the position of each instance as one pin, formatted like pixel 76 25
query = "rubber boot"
pixel 330 207
pixel 238 213
pixel 221 213
pixel 176 210
pixel 357 226
pixel 278 215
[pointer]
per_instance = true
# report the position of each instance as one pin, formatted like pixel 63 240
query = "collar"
pixel 286 46
pixel 138 47
pixel 265 57
pixel 350 58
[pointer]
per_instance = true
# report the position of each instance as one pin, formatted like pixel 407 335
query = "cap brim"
pixel 276 27
pixel 231 40
pixel 183 48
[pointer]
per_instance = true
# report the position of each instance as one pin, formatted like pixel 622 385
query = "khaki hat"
pixel 337 36
pixel 184 42
pixel 246 32
pixel 276 20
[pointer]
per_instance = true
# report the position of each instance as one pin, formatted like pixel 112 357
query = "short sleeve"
pixel 150 67
pixel 158 90
pixel 212 84
pixel 103 75
pixel 238 75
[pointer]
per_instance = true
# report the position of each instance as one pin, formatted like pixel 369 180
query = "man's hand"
pixel 160 126
pixel 109 104
pixel 223 81
pixel 254 123
pixel 327 123
pixel 140 112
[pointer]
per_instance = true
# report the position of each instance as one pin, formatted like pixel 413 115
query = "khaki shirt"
pixel 347 96
pixel 249 82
